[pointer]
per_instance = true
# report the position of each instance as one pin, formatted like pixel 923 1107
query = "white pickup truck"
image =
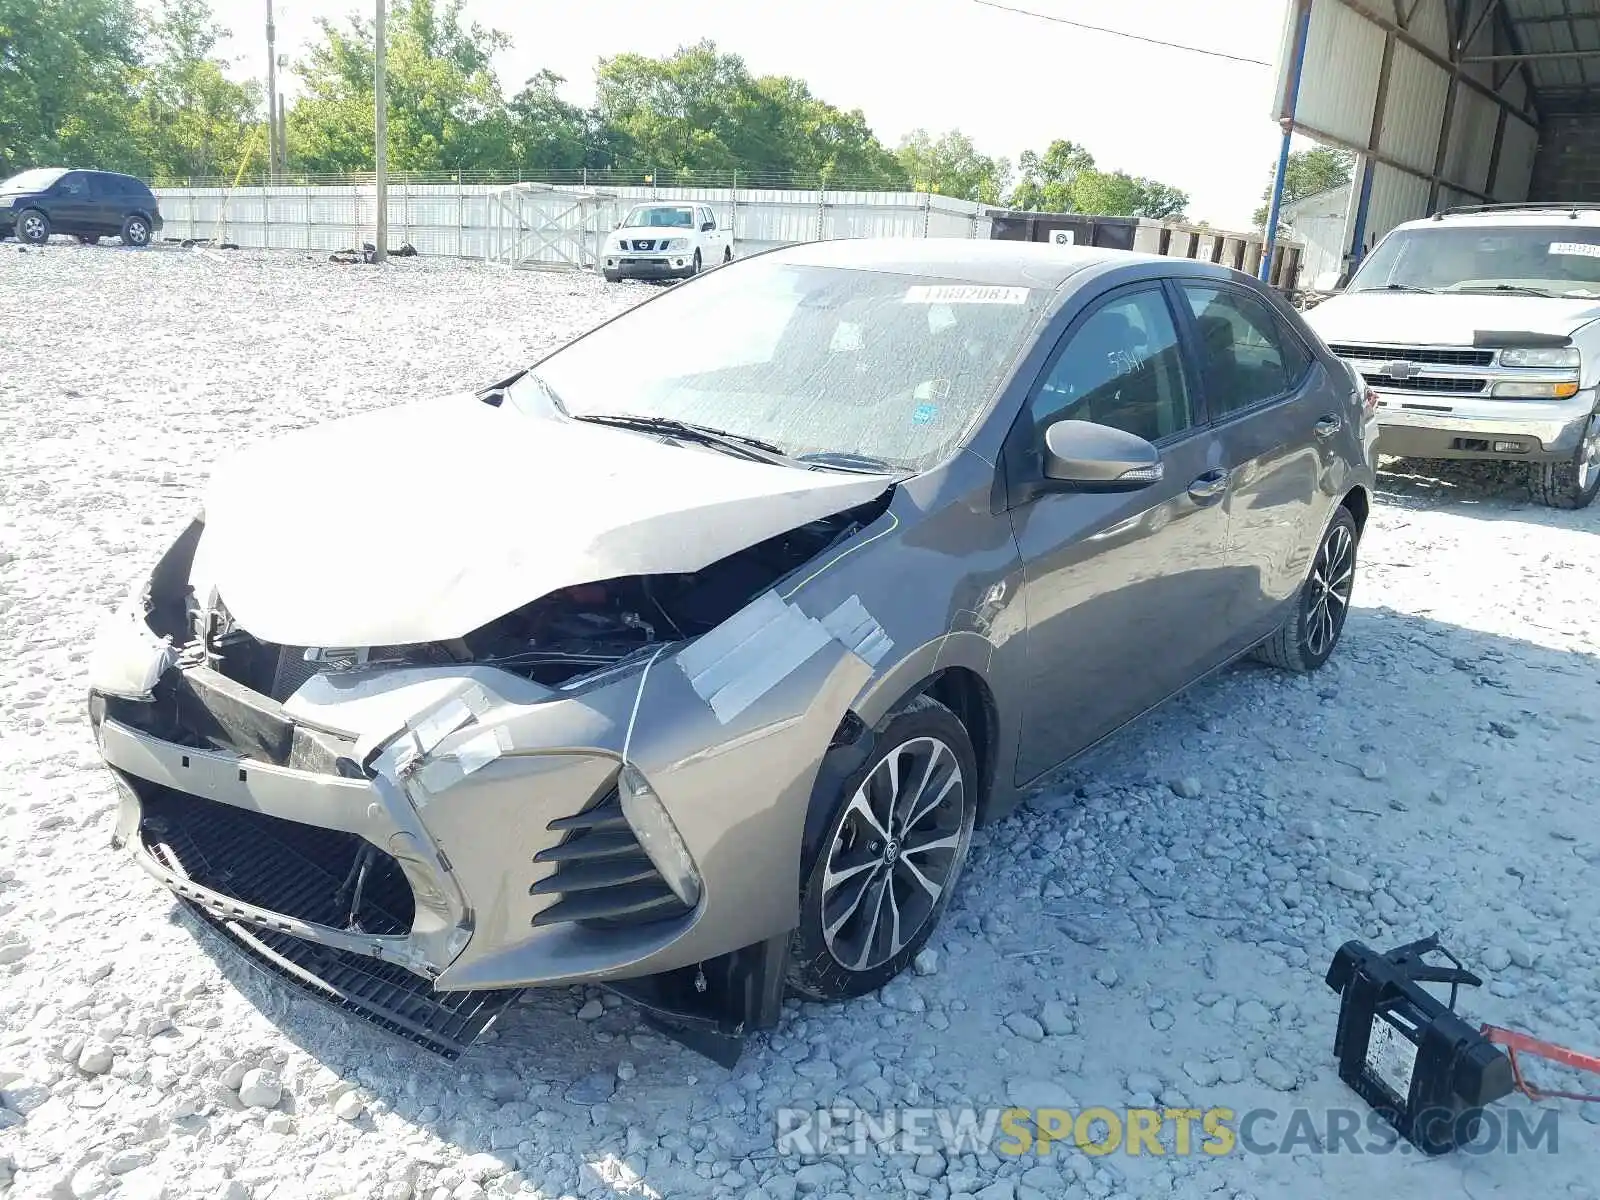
pixel 1479 329
pixel 665 240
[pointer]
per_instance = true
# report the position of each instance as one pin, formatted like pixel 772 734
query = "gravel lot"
pixel 1154 930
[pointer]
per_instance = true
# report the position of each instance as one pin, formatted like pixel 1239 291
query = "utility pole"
pixel 380 115
pixel 273 164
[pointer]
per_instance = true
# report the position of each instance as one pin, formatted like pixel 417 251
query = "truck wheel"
pixel 612 276
pixel 1306 639
pixel 136 231
pixel 727 255
pixel 695 268
pixel 1574 483
pixel 890 858
pixel 33 227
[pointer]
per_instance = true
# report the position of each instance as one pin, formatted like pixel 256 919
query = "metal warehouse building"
pixel 1446 102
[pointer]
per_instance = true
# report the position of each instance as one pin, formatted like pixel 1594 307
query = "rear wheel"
pixel 1571 484
pixel 1306 640
pixel 33 227
pixel 136 231
pixel 891 856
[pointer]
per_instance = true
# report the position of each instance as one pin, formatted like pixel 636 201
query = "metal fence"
pixel 541 224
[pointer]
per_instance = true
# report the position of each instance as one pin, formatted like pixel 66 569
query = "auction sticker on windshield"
pixel 1585 249
pixel 965 294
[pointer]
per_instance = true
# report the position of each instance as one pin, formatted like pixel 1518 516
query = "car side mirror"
pixel 707 226
pixel 1085 457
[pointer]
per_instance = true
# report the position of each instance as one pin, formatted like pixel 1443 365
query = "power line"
pixel 1132 37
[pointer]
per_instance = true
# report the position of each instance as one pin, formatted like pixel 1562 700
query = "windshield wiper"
pixel 1403 287
pixel 845 460
pixel 737 443
pixel 1515 289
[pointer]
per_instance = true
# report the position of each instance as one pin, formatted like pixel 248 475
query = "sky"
pixel 1010 82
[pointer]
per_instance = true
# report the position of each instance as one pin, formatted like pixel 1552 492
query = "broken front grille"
pixel 318 875
pixel 380 993
pixel 602 876
pixel 1438 356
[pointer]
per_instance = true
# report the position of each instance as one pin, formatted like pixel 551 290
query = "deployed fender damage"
pixel 468 802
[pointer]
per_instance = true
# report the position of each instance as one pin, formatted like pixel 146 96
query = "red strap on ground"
pixel 1516 1043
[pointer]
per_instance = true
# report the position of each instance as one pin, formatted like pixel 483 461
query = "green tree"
pixel 1048 179
pixel 810 137
pixel 191 121
pixel 446 110
pixel 1309 172
pixel 952 166
pixel 67 74
pixel 1065 179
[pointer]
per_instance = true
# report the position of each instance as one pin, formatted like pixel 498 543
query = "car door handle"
pixel 1329 425
pixel 1209 486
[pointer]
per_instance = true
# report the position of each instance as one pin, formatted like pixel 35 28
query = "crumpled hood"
pixel 426 521
pixel 1418 319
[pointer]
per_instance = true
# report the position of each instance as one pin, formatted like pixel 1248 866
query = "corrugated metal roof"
pixel 1559 33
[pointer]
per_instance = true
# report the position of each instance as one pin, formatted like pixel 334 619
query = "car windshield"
pixel 32 181
pixel 813 360
pixel 1555 260
pixel 659 217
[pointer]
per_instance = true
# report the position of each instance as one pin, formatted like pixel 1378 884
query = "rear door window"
pixel 1246 356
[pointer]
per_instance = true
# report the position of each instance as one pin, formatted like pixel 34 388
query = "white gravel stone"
pixel 349 1107
pixel 260 1088
pixel 96 1058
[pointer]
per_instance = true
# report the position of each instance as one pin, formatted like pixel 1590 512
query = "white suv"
pixel 1479 329
pixel 666 241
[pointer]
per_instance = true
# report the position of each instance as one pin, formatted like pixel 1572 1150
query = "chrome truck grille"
pixel 1425 370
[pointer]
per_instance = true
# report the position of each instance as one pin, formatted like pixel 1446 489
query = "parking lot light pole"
pixel 380 112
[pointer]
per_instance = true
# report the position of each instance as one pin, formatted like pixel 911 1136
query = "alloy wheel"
pixel 896 852
pixel 1327 596
pixel 1589 457
pixel 32 227
pixel 138 234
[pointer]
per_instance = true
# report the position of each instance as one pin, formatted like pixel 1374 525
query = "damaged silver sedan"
pixel 686 661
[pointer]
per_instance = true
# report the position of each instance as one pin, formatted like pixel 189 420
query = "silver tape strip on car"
pixel 748 655
pixel 855 627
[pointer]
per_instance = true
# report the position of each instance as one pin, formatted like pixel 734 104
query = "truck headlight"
pixel 676 244
pixel 1546 356
pixel 1536 391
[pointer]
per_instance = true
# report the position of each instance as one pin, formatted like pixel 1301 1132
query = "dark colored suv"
pixel 86 204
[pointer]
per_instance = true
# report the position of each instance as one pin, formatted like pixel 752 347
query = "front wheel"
pixel 1306 640
pixel 694 268
pixel 727 255
pixel 1574 483
pixel 33 227
pixel 612 276
pixel 891 857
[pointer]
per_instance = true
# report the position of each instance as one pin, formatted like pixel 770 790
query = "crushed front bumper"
pixel 1417 426
pixel 419 844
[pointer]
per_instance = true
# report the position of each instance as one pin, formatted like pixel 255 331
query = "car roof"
pixel 1582 218
pixel 987 262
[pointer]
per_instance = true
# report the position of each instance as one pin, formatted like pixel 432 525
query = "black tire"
pixel 1308 638
pixel 612 276
pixel 88 239
pixel 928 743
pixel 694 268
pixel 33 227
pixel 1574 483
pixel 136 231
pixel 727 255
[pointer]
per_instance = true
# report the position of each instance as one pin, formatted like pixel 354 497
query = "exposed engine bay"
pixel 562 636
